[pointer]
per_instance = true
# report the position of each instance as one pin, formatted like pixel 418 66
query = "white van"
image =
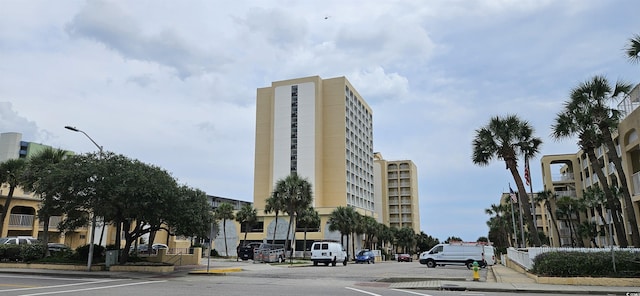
pixel 490 255
pixel 454 254
pixel 328 252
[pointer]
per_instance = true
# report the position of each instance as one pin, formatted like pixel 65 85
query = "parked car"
pixel 144 249
pixel 56 247
pixel 404 258
pixel 246 252
pixel 18 240
pixel 366 256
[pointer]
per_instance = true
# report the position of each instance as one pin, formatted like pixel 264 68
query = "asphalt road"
pixel 256 279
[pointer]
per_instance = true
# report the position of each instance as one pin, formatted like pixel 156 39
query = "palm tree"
pixel 633 49
pixel 566 208
pixel 406 239
pixel 11 173
pixel 548 198
pixel 499 225
pixel 576 119
pixel 224 212
pixel 342 219
pixel 594 97
pixel 357 230
pixel 507 138
pixel 247 217
pixel 37 165
pixel 296 196
pixel 308 219
pixel 594 199
pixel 274 204
pixel 370 227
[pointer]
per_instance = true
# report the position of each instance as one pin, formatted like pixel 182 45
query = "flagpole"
pixel 513 220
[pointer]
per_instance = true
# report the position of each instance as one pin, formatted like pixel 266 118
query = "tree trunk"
pixel 612 154
pixel 597 168
pixel 45 234
pixel 275 229
pixel 554 221
pixel 524 200
pixel 224 232
pixel 5 210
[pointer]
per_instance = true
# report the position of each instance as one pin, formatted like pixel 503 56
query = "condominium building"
pixel 396 193
pixel 321 129
pixel 571 174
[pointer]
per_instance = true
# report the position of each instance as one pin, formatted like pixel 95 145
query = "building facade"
pixel 396 193
pixel 571 175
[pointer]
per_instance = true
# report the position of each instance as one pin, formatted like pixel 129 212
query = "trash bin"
pixel 111 258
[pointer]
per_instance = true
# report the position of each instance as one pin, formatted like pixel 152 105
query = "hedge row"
pixel 597 264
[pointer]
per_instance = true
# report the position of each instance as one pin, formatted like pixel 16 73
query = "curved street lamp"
pixel 93 219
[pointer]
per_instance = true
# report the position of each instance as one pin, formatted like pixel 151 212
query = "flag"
pixel 514 199
pixel 527 176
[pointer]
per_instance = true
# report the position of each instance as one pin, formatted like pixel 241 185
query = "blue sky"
pixel 174 83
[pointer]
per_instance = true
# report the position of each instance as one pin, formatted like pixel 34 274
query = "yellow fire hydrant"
pixel 476 271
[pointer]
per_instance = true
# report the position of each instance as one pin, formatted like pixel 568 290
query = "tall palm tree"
pixel 37 165
pixel 11 173
pixel 633 49
pixel 296 196
pixel 308 219
pixel 594 97
pixel 370 227
pixel 224 212
pixel 274 204
pixel 342 219
pixel 247 217
pixel 507 138
pixel 566 209
pixel 594 199
pixel 576 120
pixel 548 198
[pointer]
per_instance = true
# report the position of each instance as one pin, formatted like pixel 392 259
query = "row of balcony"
pixel 27 221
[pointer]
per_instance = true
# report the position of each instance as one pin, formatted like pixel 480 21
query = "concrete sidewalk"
pixel 503 279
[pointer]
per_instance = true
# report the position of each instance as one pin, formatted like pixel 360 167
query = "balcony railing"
pixel 21 220
pixel 635 178
pixel 53 222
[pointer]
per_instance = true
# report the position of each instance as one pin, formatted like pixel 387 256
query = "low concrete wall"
pixel 177 259
pixel 579 281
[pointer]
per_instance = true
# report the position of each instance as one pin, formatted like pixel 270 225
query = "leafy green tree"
pixel 296 196
pixel 224 212
pixel 482 239
pixel 594 97
pixel 425 242
pixel 11 173
pixel 247 216
pixel 136 197
pixel 406 239
pixel 633 49
pixel 38 165
pixel 193 213
pixel 308 219
pixel 342 219
pixel 274 204
pixel 576 120
pixel 507 138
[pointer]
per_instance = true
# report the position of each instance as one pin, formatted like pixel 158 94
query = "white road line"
pixel 363 291
pixel 411 292
pixel 59 286
pixel 44 277
pixel 94 288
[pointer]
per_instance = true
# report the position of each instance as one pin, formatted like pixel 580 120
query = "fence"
pixel 524 257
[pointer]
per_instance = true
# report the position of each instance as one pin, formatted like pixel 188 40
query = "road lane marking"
pixel 57 286
pixel 411 292
pixel 363 291
pixel 94 288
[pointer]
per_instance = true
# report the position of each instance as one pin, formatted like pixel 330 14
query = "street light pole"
pixel 93 218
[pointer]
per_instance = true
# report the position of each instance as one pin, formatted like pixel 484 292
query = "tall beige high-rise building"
pixel 322 129
pixel 397 201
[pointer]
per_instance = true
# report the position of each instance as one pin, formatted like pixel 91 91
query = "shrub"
pixel 9 252
pixel 596 264
pixel 33 252
pixel 82 253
